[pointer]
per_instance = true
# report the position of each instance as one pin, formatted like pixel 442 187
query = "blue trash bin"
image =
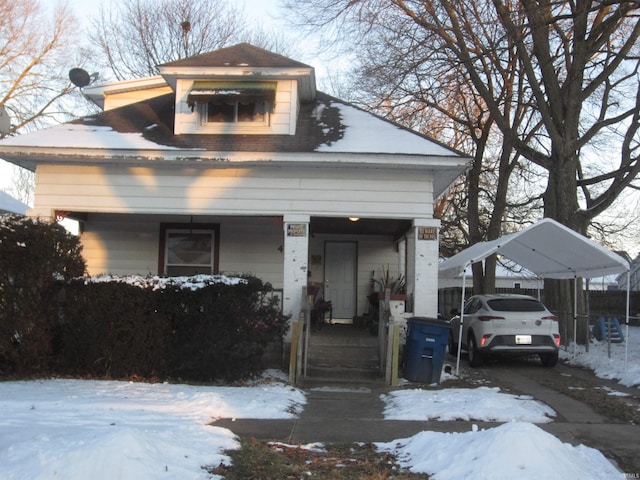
pixel 425 349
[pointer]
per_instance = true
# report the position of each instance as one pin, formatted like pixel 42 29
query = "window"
pixel 249 103
pixel 188 249
pixel 237 111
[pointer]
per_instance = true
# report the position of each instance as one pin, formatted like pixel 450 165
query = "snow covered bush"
pixel 200 328
pixel 36 258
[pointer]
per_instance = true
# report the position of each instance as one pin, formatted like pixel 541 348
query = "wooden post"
pixel 293 355
pixel 396 355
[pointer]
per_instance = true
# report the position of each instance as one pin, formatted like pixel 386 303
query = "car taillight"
pixel 483 340
pixel 486 318
pixel 553 318
pixel 556 337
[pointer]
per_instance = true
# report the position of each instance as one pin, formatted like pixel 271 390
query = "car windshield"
pixel 515 305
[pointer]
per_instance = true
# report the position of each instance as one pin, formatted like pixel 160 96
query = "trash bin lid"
pixel 436 322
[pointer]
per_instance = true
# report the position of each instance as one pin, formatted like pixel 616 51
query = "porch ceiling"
pixel 364 226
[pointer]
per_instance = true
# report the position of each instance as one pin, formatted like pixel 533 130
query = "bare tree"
pixel 21 187
pixel 34 54
pixel 402 76
pixel 578 66
pixel 133 37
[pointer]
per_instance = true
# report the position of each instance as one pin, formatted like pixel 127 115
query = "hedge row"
pixel 216 331
pixel 54 321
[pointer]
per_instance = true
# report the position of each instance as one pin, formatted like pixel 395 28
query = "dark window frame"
pixel 195 227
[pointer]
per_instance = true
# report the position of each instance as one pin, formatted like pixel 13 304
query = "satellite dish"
pixel 5 121
pixel 79 77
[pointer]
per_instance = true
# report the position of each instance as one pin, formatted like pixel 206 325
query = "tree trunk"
pixel 561 204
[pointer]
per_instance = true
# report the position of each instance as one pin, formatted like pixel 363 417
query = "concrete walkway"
pixel 344 414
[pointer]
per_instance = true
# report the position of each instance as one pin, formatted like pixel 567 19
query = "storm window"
pixel 188 249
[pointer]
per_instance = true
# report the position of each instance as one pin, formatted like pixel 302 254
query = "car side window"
pixel 472 306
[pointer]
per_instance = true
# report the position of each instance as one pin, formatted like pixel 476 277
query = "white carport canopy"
pixel 548 249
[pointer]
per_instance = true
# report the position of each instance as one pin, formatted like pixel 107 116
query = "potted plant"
pixel 396 286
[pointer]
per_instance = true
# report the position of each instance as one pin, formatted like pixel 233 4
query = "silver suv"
pixel 506 324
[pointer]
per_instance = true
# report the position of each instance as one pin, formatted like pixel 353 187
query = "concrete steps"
pixel 342 354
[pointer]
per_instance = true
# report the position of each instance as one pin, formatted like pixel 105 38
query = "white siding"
pixel 235 191
pixel 250 245
pixel 128 245
pixel 282 120
pixel 116 100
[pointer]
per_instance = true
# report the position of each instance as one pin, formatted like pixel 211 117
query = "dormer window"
pixel 248 103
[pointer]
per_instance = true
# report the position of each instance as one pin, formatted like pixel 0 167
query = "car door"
pixel 471 309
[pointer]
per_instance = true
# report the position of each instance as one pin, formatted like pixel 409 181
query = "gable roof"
pixel 241 55
pixel 329 132
pixel 546 248
pixel 242 61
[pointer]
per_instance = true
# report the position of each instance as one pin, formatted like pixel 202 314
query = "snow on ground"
pixel 75 429
pixel 614 367
pixel 514 450
pixel 451 404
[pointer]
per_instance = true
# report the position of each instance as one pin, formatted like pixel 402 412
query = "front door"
pixel 340 270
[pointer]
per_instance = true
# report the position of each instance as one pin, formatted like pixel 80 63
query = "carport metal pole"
pixel 626 333
pixel 575 314
pixel 464 285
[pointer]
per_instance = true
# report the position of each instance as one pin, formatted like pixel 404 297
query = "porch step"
pixel 341 377
pixel 344 356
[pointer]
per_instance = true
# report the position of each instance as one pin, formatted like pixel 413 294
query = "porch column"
pixel 296 255
pixel 422 275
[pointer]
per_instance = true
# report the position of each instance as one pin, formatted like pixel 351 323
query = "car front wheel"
pixel 549 359
pixel 475 357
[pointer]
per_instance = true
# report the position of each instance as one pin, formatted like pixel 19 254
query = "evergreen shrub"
pixel 36 258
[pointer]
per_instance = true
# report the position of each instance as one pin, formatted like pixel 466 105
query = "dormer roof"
pixel 240 55
pixel 243 61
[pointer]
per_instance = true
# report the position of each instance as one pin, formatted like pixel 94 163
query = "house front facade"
pixel 233 162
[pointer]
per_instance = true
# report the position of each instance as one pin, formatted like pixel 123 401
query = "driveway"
pixel 596 412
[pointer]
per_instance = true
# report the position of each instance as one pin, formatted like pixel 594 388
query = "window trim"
pixel 195 227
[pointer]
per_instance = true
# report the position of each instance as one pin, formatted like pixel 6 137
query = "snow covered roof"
pixel 329 125
pixel 329 131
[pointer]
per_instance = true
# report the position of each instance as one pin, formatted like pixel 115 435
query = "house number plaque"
pixel 297 230
pixel 427 233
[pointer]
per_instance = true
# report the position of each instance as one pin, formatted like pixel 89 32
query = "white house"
pixel 232 161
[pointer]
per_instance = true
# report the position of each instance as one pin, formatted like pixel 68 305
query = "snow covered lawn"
pixel 78 430
pixel 74 429
pixel 597 358
pixel 451 404
pixel 514 450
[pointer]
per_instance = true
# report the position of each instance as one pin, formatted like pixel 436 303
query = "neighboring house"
pixel 634 275
pixel 507 276
pixel 232 161
pixel 8 204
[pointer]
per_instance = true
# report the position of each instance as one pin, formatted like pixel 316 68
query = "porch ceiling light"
pixel 354 219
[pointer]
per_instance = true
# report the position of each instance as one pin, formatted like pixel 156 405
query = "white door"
pixel 340 269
